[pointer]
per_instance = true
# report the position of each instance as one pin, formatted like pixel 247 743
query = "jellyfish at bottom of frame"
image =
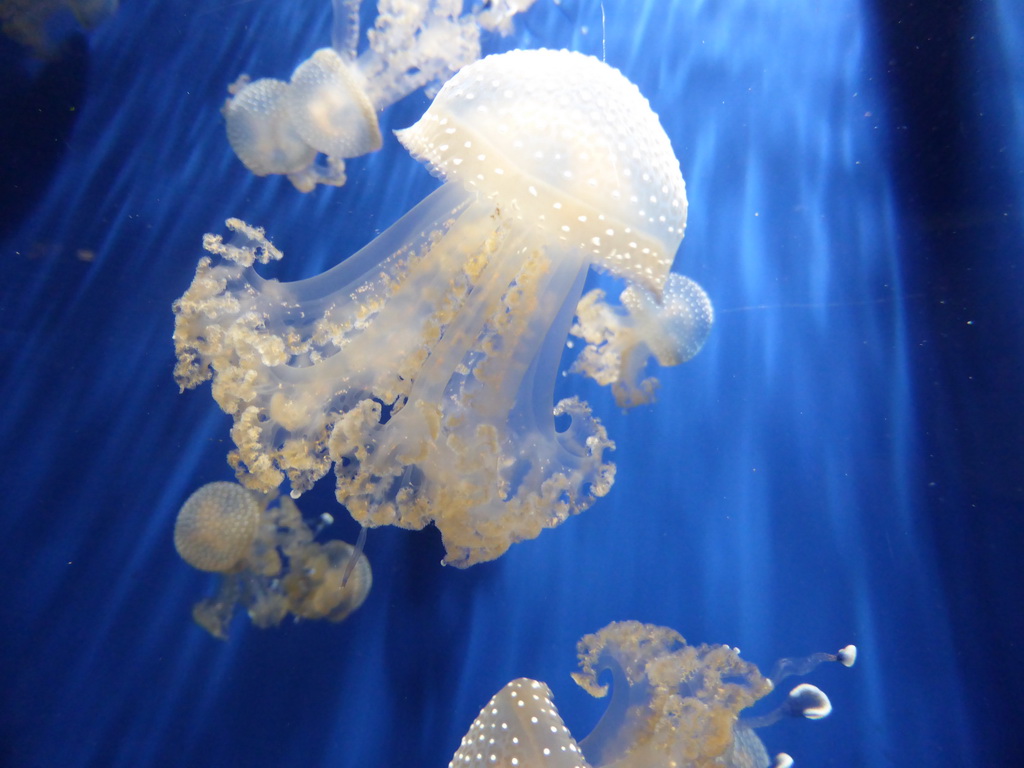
pixel 672 705
pixel 268 560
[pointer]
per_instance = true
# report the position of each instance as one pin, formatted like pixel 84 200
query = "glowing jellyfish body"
pixel 672 705
pixel 268 560
pixel 423 367
pixel 329 107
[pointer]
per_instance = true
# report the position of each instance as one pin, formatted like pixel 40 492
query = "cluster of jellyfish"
pixel 422 368
pixel 672 704
pixel 306 127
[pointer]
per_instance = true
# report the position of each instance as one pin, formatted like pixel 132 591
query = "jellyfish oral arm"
pixel 345 27
pixel 431 394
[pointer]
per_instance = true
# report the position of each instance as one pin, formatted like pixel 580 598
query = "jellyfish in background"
pixel 40 24
pixel 423 367
pixel 672 705
pixel 330 105
pixel 268 560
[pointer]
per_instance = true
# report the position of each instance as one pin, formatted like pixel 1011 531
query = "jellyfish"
pixel 268 560
pixel 329 107
pixel 423 367
pixel 620 340
pixel 672 704
pixel 40 24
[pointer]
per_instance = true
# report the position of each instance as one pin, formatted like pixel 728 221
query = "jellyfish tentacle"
pixel 345 27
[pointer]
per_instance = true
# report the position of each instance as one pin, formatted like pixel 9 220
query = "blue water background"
pixel 799 485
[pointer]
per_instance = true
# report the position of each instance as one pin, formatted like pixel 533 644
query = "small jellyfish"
pixel 268 560
pixel 671 327
pixel 672 704
pixel 423 367
pixel 329 107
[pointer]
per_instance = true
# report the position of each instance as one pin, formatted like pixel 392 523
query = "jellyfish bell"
pixel 675 326
pixel 519 726
pixel 278 127
pixel 567 144
pixel 216 526
pixel 328 106
pixel 423 367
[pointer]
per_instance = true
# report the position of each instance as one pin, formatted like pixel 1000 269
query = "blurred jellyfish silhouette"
pixel 672 704
pixel 41 25
pixel 423 367
pixel 307 127
pixel 268 559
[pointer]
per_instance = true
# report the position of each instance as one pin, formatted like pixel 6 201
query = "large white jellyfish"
pixel 330 106
pixel 423 367
pixel 268 559
pixel 672 704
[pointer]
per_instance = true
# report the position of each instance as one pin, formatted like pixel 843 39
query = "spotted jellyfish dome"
pixel 329 108
pixel 519 727
pixel 676 327
pixel 217 526
pixel 260 132
pixel 571 146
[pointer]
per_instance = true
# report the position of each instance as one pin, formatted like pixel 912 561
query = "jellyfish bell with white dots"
pixel 670 326
pixel 307 127
pixel 423 367
pixel 267 559
pixel 672 704
pixel 519 726
pixel 216 527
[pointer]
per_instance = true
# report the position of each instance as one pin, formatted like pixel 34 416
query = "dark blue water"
pixel 841 463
